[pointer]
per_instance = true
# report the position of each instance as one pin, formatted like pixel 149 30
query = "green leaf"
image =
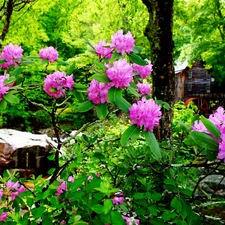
pixel 9 80
pixel 2 61
pixel 26 62
pixel 37 212
pixel 33 57
pixel 107 206
pixel 133 91
pixel 78 95
pixel 80 86
pixel 85 106
pixel 102 111
pixel 166 105
pixel 131 133
pixel 71 69
pixel 117 218
pixel 122 103
pixel 88 42
pixel 101 78
pixel 137 49
pixel 176 204
pixel 16 72
pixel 80 223
pixel 97 208
pixel 204 140
pixel 115 56
pixel 153 144
pixel 211 127
pixel 137 59
pixel 100 65
pixel 184 127
pixel 63 63
pixel 113 93
pixel 138 196
pixel 168 215
pixel 11 98
pixel 77 195
pixel 19 79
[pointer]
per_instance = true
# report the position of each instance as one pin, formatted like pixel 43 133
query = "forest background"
pixel 198 33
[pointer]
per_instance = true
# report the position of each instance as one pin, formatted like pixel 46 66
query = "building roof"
pixel 180 66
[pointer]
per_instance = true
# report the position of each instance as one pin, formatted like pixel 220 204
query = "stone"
pixel 25 152
pixel 214 184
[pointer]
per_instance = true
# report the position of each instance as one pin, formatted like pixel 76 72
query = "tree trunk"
pixel 159 34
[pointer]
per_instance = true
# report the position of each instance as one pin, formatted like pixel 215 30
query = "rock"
pixel 214 184
pixel 25 152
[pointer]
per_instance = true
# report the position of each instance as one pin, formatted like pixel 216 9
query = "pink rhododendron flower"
pixel 102 50
pixel 199 126
pixel 12 185
pixel 123 43
pixel 131 220
pixel 71 179
pixel 117 200
pixel 15 188
pixel 143 71
pixel 12 54
pixel 55 84
pixel 4 88
pixel 145 113
pixel 98 92
pixel 49 53
pixel 144 88
pixel 120 74
pixel 62 188
pixel 63 222
pixel 90 178
pixel 1 194
pixel 221 153
pixel 218 118
pixel 14 194
pixel 3 216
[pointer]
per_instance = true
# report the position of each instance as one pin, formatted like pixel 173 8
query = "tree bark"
pixel 159 33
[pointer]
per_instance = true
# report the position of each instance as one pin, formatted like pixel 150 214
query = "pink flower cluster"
pixel 4 88
pixel 49 53
pixel 143 71
pixel 118 199
pixel 14 188
pixel 12 55
pixel 218 118
pixel 98 92
pixel 3 216
pixel 145 113
pixel 63 186
pixel 55 84
pixel 144 88
pixel 120 74
pixel 123 43
pixel 103 50
pixel 131 220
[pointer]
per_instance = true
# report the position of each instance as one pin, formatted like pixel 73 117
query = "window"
pixel 189 86
pixel 190 74
pixel 205 75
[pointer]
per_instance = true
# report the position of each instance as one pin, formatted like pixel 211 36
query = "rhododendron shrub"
pixel 100 180
pixel 218 133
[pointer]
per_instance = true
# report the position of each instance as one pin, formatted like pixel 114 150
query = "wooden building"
pixel 191 81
